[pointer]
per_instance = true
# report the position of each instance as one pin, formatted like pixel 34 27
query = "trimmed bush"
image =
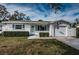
pixel 44 34
pixel 15 33
pixel 77 32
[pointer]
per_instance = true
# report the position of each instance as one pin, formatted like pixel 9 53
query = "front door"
pixel 32 29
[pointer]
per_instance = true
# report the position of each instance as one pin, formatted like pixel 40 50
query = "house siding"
pixel 9 27
pixel 53 31
pixel 27 27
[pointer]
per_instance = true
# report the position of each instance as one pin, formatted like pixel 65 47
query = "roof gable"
pixel 62 22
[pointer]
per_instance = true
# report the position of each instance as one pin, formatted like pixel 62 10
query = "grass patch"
pixel 23 46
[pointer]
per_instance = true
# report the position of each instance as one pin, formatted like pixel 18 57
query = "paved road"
pixel 73 42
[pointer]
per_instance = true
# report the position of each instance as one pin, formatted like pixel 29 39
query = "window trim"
pixel 22 26
pixel 39 28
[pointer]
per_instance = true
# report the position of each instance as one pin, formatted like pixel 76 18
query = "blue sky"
pixel 38 11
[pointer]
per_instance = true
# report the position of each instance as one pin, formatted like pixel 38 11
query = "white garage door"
pixel 61 31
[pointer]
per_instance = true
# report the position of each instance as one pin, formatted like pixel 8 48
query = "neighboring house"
pixel 54 28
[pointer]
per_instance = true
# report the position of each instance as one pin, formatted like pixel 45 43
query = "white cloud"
pixel 11 8
pixel 67 15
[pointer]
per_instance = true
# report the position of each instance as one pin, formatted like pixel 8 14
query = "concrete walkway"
pixel 73 42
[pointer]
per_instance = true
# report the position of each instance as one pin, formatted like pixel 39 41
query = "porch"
pixel 36 29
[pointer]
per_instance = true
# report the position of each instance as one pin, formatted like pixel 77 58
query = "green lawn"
pixel 22 46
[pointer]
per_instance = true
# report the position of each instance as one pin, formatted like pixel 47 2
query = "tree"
pixel 17 16
pixel 28 18
pixel 13 17
pixel 40 20
pixel 4 14
pixel 21 16
pixel 76 20
pixel 55 6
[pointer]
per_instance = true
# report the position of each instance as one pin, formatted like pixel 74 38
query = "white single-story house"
pixel 54 28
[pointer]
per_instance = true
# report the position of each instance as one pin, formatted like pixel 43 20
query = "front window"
pixel 17 26
pixel 42 27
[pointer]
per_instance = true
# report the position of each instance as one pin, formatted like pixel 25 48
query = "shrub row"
pixel 44 34
pixel 16 33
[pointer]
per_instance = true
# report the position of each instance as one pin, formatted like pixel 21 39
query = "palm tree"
pixel 56 6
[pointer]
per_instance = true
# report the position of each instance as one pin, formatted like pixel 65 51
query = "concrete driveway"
pixel 71 41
